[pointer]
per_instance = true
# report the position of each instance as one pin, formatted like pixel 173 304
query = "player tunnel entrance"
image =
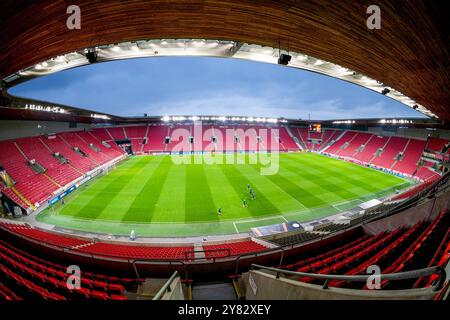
pixel 126 145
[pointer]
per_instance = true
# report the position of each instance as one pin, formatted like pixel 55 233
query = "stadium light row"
pixel 223 119
pixel 58 109
pixel 207 48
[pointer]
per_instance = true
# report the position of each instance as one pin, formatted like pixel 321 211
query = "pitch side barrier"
pixel 368 165
pixel 437 187
pixel 225 152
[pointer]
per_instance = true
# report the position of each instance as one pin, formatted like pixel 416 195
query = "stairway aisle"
pixel 214 291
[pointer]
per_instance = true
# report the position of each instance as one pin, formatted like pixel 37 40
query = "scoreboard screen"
pixel 316 127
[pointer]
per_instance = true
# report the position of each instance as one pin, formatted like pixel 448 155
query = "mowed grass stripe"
pixel 279 198
pixel 119 203
pixel 315 186
pixel 286 183
pixel 199 203
pixel 319 183
pixel 260 206
pixel 326 164
pixel 302 195
pixel 224 194
pixel 111 183
pixel 143 205
pixel 172 199
pixel 343 174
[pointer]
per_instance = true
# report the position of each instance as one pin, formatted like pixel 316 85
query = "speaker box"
pixel 284 59
pixel 91 56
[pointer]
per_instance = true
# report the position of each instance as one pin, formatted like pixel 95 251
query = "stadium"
pixel 98 205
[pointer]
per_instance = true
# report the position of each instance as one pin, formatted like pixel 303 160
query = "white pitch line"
pixel 258 219
pixel 237 231
pixel 337 208
pixel 340 203
pixel 284 219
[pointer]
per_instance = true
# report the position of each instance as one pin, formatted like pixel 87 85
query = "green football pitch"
pixel 157 196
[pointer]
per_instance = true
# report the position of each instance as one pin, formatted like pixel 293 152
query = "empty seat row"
pixel 426 243
pixel 27 276
pixel 58 270
pixel 43 236
pixel 232 249
pixel 132 251
pixel 137 252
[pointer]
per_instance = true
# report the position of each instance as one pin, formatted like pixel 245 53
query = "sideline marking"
pixel 234 224
pixel 259 219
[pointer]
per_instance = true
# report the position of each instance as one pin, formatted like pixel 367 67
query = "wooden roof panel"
pixel 410 53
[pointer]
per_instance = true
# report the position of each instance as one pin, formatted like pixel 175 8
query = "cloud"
pixel 272 104
pixel 211 88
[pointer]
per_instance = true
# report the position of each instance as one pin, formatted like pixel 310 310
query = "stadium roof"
pixel 409 54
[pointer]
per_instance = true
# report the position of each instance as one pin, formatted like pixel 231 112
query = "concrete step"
pixel 214 291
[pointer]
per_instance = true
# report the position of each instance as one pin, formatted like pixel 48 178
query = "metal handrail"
pixel 166 287
pixel 361 278
pixel 169 262
pixel 259 253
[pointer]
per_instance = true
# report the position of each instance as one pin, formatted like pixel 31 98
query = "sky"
pixel 209 86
